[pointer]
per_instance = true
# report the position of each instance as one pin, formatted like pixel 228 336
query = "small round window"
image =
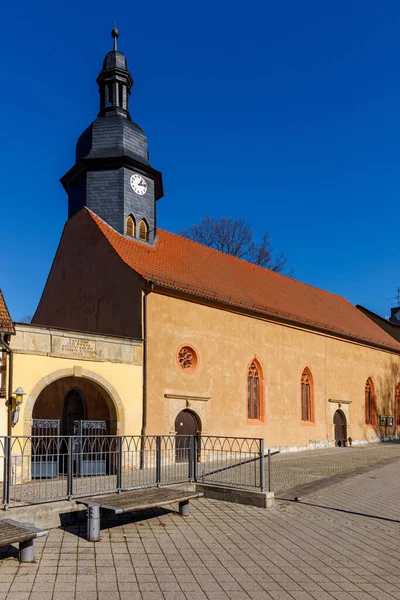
pixel 187 358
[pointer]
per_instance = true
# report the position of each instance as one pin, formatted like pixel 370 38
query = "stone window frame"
pixel 255 401
pixel 307 406
pixel 397 404
pixel 144 230
pixel 130 227
pixel 187 358
pixel 371 416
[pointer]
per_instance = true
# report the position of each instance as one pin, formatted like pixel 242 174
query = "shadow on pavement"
pixel 342 510
pixel 110 521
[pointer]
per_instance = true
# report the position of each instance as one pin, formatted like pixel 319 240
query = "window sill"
pixel 256 422
pixel 307 423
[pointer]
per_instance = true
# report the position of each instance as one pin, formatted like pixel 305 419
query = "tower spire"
pixel 115 35
pixel 112 156
pixel 115 82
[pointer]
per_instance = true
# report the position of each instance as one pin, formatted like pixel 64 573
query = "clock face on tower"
pixel 138 184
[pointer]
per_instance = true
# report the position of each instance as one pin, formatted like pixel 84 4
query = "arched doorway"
pixel 339 421
pixel 77 407
pixel 75 399
pixel 77 378
pixel 187 424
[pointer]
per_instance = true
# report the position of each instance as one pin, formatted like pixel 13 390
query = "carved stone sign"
pixel 76 347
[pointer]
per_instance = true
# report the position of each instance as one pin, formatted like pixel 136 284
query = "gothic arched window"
pixel 307 396
pixel 397 403
pixel 143 230
pixel 130 226
pixel 254 391
pixel 370 403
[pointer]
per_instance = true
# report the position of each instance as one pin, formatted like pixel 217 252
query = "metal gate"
pixel 45 448
pixel 91 448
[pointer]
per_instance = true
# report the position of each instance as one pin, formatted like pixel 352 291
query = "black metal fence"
pixel 44 468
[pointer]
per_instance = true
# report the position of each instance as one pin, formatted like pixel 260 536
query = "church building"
pixel 229 348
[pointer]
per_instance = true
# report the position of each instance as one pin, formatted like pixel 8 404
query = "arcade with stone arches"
pixel 73 405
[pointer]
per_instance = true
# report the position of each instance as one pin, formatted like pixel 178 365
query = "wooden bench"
pixel 133 500
pixel 12 532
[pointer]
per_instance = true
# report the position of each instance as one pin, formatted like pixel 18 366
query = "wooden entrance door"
pixel 339 421
pixel 186 425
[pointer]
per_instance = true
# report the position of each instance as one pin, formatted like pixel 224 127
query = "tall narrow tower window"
pixel 130 226
pixel 143 230
pixel 109 95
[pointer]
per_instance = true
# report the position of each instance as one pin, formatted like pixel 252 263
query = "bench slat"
pixel 11 533
pixel 129 501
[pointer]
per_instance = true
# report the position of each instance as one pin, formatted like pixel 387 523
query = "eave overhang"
pixel 191 296
pixel 113 162
pixel 114 73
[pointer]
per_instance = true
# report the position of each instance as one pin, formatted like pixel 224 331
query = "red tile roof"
pixel 6 324
pixel 187 266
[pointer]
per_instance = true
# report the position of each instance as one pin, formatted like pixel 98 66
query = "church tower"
pixel 112 174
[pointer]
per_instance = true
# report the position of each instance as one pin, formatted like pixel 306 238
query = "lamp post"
pixel 16 400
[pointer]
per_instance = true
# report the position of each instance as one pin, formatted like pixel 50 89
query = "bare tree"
pixel 235 237
pixel 26 319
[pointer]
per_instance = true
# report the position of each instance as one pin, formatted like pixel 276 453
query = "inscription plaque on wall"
pixel 76 347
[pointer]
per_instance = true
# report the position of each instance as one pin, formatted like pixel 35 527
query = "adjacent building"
pixel 6 331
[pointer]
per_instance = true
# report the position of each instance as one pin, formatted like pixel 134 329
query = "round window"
pixel 187 358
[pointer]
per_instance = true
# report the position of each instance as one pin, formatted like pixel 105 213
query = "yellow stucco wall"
pixel 48 362
pixel 122 381
pixel 226 342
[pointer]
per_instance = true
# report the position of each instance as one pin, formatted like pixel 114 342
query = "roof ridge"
pixel 229 257
pixel 237 258
pixel 185 265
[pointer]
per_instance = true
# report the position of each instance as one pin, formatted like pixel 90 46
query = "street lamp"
pixel 19 397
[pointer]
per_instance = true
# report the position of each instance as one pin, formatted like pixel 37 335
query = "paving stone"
pixel 339 543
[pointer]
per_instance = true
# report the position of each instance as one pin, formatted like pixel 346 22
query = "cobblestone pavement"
pixel 341 543
pixel 292 469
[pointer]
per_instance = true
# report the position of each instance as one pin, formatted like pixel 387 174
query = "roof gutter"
pixel 144 389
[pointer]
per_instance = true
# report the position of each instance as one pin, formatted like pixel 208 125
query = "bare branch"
pixel 26 319
pixel 235 237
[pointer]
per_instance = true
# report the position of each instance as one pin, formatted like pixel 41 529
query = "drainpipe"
pixel 144 390
pixel 4 339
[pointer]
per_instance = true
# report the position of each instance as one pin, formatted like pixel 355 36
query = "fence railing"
pixel 36 469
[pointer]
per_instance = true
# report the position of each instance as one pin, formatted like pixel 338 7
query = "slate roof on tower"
pixel 181 264
pixel 6 324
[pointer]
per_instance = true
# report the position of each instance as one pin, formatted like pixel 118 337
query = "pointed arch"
pixel 397 403
pixel 255 391
pixel 307 396
pixel 143 230
pixel 130 228
pixel 370 402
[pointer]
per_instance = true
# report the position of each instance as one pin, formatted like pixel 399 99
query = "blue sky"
pixel 284 113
